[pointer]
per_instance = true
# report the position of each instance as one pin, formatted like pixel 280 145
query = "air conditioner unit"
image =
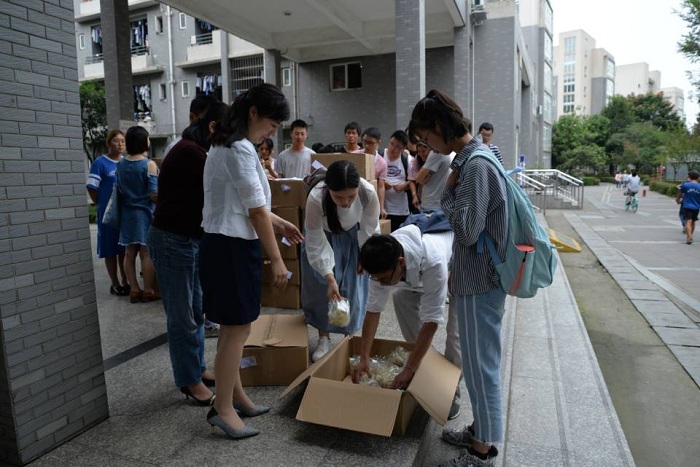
pixel 540 110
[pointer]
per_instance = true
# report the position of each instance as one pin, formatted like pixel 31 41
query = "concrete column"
pixel 271 61
pixel 225 69
pixel 463 66
pixel 410 58
pixel 52 384
pixel 116 46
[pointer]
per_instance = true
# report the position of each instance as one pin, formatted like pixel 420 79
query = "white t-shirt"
pixel 234 182
pixel 439 165
pixel 396 202
pixel 633 185
pixel 426 256
pixel 294 164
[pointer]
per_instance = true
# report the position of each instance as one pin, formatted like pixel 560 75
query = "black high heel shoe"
pixel 210 383
pixel 214 420
pixel 201 402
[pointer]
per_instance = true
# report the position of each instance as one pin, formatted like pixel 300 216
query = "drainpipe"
pixel 171 71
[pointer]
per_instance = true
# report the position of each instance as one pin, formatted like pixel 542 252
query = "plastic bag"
pixel 383 370
pixel 339 313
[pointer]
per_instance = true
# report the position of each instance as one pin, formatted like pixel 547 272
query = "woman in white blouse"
pixel 341 214
pixel 237 222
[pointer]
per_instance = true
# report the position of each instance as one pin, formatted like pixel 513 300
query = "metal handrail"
pixel 201 39
pixel 560 185
pixel 139 50
pixel 97 58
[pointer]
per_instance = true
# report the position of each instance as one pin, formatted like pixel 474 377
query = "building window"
pixel 569 108
pixel 163 95
pixel 182 18
pixel 159 24
pixel 246 72
pixel 547 137
pixel 185 88
pixel 346 76
pixel 286 76
pixel 81 41
pixel 547 48
pixel 569 45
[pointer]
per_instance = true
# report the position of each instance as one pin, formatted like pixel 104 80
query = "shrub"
pixel 607 179
pixel 92 213
pixel 588 181
pixel 665 188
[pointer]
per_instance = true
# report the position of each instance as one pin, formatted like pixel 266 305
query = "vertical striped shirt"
pixel 476 204
pixel 496 152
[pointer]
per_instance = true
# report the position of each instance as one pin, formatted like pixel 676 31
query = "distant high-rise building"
pixel 636 79
pixel 585 75
pixel 675 97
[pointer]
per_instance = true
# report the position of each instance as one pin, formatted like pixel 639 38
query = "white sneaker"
pixel 324 345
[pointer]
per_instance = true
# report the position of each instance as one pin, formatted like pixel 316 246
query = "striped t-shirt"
pixel 477 203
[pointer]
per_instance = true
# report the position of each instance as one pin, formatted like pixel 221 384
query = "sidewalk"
pixel 553 393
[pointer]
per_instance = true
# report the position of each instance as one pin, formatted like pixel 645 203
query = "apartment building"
pixel 636 79
pixel 585 75
pixel 174 57
pixel 675 97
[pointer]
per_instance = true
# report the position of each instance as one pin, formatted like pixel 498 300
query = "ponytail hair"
pixel 198 131
pixel 438 110
pixel 341 175
pixel 267 99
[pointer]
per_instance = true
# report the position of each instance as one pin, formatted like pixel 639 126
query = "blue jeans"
pixel 176 260
pixel 479 319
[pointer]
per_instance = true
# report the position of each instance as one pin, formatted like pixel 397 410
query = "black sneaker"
pixel 472 458
pixel 455 408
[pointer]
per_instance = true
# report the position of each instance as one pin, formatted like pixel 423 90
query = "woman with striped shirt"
pixel 474 201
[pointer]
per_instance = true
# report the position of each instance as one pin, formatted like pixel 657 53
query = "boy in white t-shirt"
pixel 397 182
pixel 295 162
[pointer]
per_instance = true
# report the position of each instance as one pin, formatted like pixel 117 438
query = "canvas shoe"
pixel 324 345
pixel 211 331
pixel 462 438
pixel 471 458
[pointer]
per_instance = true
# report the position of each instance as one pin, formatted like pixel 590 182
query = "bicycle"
pixel 631 201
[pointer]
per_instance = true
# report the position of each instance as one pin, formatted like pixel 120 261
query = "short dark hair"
pixel 438 110
pixel 380 253
pixel 634 173
pixel 373 132
pixel 317 147
pixel 298 124
pixel 401 136
pixel 353 126
pixel 341 175
pixel 136 140
pixel 200 103
pixel 485 126
pixel 198 131
pixel 693 174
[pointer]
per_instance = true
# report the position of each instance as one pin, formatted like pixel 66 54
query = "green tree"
pixel 689 45
pixel 642 147
pixel 619 112
pixel 93 110
pixel 567 133
pixel 588 158
pixel 654 109
pixel 678 148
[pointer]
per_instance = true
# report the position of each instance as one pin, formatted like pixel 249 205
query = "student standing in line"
pixel 486 132
pixel 371 139
pixel 342 212
pixel 99 187
pixel 237 222
pixel 397 182
pixel 295 162
pixel 429 172
pixel 474 201
pixel 266 159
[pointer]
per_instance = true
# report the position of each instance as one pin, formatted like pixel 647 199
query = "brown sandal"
pixel 150 297
pixel 136 296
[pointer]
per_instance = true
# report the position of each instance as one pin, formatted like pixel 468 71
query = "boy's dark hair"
pixel 269 101
pixel 298 124
pixel 435 110
pixel 380 253
pixel 373 132
pixel 201 103
pixel 317 147
pixel 341 175
pixel 400 136
pixel 353 126
pixel 634 173
pixel 198 131
pixel 693 174
pixel 136 140
pixel 485 126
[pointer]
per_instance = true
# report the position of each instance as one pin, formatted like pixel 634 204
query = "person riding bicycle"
pixel 633 184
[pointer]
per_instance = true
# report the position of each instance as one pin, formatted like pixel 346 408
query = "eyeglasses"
pixel 368 142
pixel 386 277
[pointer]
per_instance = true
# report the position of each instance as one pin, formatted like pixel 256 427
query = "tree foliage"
pixel 689 45
pixel 93 110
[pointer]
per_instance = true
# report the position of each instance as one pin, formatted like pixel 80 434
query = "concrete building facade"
pixel 636 79
pixel 676 98
pixel 586 78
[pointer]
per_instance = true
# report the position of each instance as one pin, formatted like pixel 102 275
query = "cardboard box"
pixel 289 298
pixel 276 352
pixel 332 399
pixel 373 183
pixel 288 192
pixel 364 162
pixel 384 226
pixel 293 266
pixel 289 213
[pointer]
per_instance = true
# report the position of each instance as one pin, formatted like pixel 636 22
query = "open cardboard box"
pixel 276 352
pixel 332 399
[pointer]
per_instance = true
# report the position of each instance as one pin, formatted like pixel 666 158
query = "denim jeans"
pixel 480 319
pixel 176 260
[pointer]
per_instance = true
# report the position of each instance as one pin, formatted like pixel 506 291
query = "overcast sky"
pixel 633 31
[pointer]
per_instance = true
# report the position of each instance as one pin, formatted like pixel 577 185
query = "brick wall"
pixel 51 375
